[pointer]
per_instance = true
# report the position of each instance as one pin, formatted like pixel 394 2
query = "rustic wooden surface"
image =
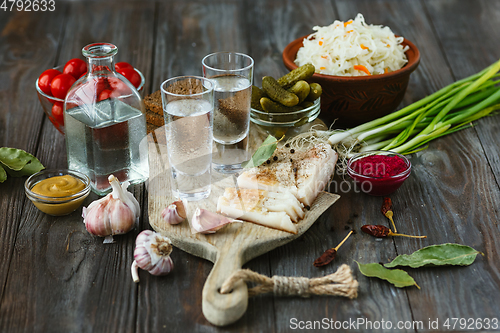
pixel 55 277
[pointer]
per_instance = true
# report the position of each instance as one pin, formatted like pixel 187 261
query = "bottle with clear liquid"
pixel 105 127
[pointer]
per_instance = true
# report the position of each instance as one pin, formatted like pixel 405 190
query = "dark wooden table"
pixel 55 277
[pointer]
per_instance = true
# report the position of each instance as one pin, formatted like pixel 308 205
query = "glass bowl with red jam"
pixel 379 172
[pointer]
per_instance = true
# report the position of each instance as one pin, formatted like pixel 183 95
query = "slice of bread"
pixel 153 102
pixel 153 111
pixel 154 118
pixel 157 133
pixel 150 128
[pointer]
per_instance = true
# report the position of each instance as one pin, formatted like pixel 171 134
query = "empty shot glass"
pixel 232 74
pixel 188 104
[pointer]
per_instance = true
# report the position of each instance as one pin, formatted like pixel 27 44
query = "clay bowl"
pixel 353 100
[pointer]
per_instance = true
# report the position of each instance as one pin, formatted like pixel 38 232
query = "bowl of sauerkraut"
pixel 363 69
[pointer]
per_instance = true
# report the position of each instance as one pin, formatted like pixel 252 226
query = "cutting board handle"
pixel 224 309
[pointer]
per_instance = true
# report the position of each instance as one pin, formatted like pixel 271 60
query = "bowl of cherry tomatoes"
pixel 53 84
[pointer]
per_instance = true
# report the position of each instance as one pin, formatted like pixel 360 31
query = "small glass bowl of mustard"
pixel 57 192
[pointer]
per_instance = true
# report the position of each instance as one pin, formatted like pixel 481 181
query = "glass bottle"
pixel 105 123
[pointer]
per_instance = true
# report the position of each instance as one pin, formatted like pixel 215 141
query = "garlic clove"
pixel 163 267
pixel 143 236
pixel 109 217
pixel 121 217
pixel 108 240
pixel 207 222
pixel 152 253
pixel 175 213
pixel 134 270
pixel 96 217
pixel 114 214
pixel 120 192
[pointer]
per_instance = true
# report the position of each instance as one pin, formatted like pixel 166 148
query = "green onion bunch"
pixel 408 130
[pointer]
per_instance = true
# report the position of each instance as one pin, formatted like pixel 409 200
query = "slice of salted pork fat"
pixel 303 173
pixel 274 210
pixel 313 172
pixel 275 176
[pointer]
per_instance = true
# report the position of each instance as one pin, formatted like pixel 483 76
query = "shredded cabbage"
pixel 352 48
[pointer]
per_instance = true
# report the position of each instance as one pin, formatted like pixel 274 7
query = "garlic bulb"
pixel 175 213
pixel 207 222
pixel 114 214
pixel 152 253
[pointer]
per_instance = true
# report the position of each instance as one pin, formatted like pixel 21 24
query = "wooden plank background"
pixel 55 277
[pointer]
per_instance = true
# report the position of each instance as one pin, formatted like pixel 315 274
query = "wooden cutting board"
pixel 230 248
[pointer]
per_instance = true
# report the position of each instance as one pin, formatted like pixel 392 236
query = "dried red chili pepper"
pixel 329 255
pixel 381 231
pixel 386 205
pixel 387 211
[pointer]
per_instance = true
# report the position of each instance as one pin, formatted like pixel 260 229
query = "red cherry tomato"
pixel 99 68
pixel 57 112
pixel 131 75
pixel 96 85
pixel 61 84
pixel 121 65
pixel 70 105
pixel 118 87
pixel 45 79
pixel 75 67
pixel 105 94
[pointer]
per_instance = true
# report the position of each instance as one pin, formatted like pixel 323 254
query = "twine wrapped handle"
pixel 340 283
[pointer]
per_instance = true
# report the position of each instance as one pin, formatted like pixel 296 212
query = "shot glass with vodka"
pixel 188 105
pixel 232 74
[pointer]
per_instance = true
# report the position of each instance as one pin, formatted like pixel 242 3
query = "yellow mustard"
pixel 57 188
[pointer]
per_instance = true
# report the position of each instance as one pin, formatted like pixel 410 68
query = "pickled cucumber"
pixel 277 93
pixel 279 112
pixel 315 92
pixel 300 73
pixel 273 107
pixel 301 122
pixel 306 104
pixel 257 94
pixel 301 89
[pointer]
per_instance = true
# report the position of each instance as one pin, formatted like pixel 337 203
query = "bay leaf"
pixel 437 255
pixel 263 153
pixel 27 170
pixel 19 163
pixel 14 159
pixel 397 277
pixel 3 174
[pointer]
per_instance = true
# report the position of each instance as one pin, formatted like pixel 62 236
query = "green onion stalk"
pixel 410 129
